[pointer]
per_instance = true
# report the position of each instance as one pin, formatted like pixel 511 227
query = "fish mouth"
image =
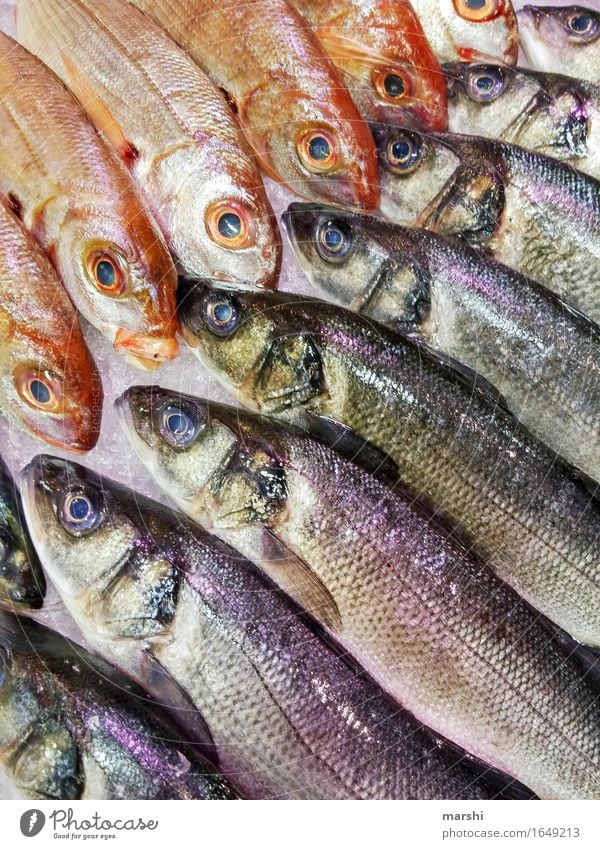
pixel 145 351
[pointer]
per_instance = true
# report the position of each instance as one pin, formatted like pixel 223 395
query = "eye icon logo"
pixel 32 822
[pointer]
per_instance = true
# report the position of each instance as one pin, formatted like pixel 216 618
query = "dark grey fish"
pixel 565 37
pixel 437 629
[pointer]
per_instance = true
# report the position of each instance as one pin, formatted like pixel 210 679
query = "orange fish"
pixel 76 197
pixel 289 97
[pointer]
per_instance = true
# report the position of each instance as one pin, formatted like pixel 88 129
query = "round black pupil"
pixel 177 423
pixel 79 509
pixel 230 225
pixel 222 313
pixel 475 4
pixel 485 84
pixel 580 23
pixel 394 85
pixel 401 150
pixel 319 149
pixel 40 392
pixel 105 272
pixel 334 239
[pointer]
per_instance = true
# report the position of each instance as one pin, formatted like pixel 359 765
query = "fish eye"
pixel 392 85
pixel 230 225
pixel 478 11
pixel 333 241
pixel 179 424
pixel 107 272
pixel 221 314
pixel 403 153
pixel 78 513
pixel 485 84
pixel 318 152
pixel 583 25
pixel 40 389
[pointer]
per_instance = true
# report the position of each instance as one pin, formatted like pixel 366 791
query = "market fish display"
pixel 434 627
pixel 565 38
pixel 78 200
pixel 537 215
pixel 310 362
pixel 49 385
pixel 470 29
pixel 71 729
pixel 548 113
pixel 172 127
pixel 287 717
pixel 289 98
pixel 541 355
pixel 385 60
pixel 22 583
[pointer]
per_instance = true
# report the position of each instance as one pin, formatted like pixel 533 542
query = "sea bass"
pixel 70 728
pixel 289 98
pixel 470 29
pixel 310 362
pixel 22 583
pixel 548 113
pixel 437 629
pixel 49 384
pixel 385 60
pixel 562 37
pixel 78 200
pixel 286 715
pixel 538 215
pixel 541 355
pixel 171 125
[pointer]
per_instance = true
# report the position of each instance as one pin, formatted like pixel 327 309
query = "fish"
pixel 385 60
pixel 562 37
pixel 540 355
pixel 428 621
pixel 548 113
pixel 289 98
pixel 529 211
pixel 71 727
pixel 78 200
pixel 49 384
pixel 347 378
pixel 171 125
pixel 22 583
pixel 470 29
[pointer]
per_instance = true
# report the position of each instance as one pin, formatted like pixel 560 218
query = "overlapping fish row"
pixel 380 574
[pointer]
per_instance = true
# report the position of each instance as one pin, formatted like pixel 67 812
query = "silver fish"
pixel 565 37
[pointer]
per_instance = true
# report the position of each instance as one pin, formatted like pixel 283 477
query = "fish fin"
pixel 297 579
pixel 340 47
pixel 97 110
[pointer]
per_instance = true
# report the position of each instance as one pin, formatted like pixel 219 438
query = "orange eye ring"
pixel 478 11
pixel 394 85
pixel 107 272
pixel 318 152
pixel 230 225
pixel 40 389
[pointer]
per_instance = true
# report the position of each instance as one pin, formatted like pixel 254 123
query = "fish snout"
pixel 147 351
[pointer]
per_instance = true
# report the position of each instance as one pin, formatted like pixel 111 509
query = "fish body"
pixel 171 124
pixel 300 359
pixel 49 384
pixel 562 37
pixel 286 715
pixel 439 631
pixel 289 98
pixel 384 58
pixel 551 114
pixel 22 583
pixel 70 728
pixel 539 353
pixel 463 29
pixel 531 212
pixel 80 203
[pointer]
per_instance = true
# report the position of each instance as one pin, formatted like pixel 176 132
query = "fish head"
pixel 119 273
pixel 561 39
pixel 473 29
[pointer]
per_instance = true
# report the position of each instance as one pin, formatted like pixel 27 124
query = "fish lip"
pixel 145 348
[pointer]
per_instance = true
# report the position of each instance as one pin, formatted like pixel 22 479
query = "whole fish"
pixel 547 113
pixel 74 195
pixel 310 362
pixel 170 124
pixel 438 630
pixel 562 37
pixel 22 583
pixel 541 355
pixel 537 215
pixel 470 29
pixel 384 58
pixel 70 728
pixel 49 384
pixel 286 714
pixel 289 98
